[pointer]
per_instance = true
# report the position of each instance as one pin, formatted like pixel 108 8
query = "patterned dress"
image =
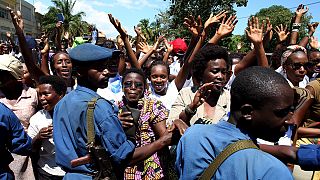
pixel 151 113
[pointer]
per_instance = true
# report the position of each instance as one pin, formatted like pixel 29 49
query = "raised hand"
pixel 168 46
pixel 137 29
pixel 116 23
pixel 282 32
pixel 312 27
pixel 214 19
pixel 46 44
pixel 268 34
pixel 255 33
pixel 144 47
pixel 227 26
pixel 301 10
pixel 202 94
pixel 16 20
pixel 193 26
pixel 268 25
pixel 314 43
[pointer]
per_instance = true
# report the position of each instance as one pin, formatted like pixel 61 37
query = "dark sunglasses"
pixel 128 84
pixel 297 66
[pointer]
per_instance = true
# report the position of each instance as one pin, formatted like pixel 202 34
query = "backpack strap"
pixel 90 120
pixel 228 151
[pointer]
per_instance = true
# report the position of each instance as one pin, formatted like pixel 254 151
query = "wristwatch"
pixel 189 112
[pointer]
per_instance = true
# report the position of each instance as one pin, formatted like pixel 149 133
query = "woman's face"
pixel 62 65
pixel 296 67
pixel 216 72
pixel 159 79
pixel 48 96
pixel 133 87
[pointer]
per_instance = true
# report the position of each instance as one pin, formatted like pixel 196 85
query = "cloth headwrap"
pixel 291 49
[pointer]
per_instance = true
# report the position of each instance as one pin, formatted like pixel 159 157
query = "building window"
pixel 26 13
pixel 4 13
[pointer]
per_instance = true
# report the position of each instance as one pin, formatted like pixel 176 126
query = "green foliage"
pixel 73 23
pixel 179 9
pixel 232 42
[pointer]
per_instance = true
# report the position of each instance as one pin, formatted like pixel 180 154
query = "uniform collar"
pixel 87 90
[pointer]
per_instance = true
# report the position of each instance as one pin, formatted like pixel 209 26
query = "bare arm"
pixel 44 57
pixel 124 36
pixel 286 154
pixel 146 151
pixel 34 70
pixel 301 10
pixel 169 50
pixel 255 35
pixel 312 28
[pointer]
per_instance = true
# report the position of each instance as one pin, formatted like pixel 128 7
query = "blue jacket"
pixel 13 139
pixel 70 132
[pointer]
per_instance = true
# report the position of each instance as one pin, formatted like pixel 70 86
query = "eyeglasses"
pixel 128 84
pixel 297 66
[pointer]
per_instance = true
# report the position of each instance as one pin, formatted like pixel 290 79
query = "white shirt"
pixel 47 160
pixel 302 83
pixel 114 90
pixel 169 98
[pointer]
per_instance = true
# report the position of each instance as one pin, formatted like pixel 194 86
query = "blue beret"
pixel 88 52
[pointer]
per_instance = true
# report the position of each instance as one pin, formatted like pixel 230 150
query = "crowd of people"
pixel 125 110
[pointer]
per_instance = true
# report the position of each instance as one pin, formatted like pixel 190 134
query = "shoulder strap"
pixel 90 120
pixel 228 151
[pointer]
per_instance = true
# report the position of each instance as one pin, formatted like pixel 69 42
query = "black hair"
pixel 256 85
pixel 134 70
pixel 52 61
pixel 57 83
pixel 156 63
pixel 207 53
pixel 235 55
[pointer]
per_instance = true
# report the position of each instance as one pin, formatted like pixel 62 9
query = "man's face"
pixel 271 120
pixel 100 72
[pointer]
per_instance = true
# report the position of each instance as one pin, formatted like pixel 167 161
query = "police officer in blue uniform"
pixel 13 139
pixel 94 65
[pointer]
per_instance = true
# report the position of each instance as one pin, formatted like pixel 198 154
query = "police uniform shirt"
pixel 70 134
